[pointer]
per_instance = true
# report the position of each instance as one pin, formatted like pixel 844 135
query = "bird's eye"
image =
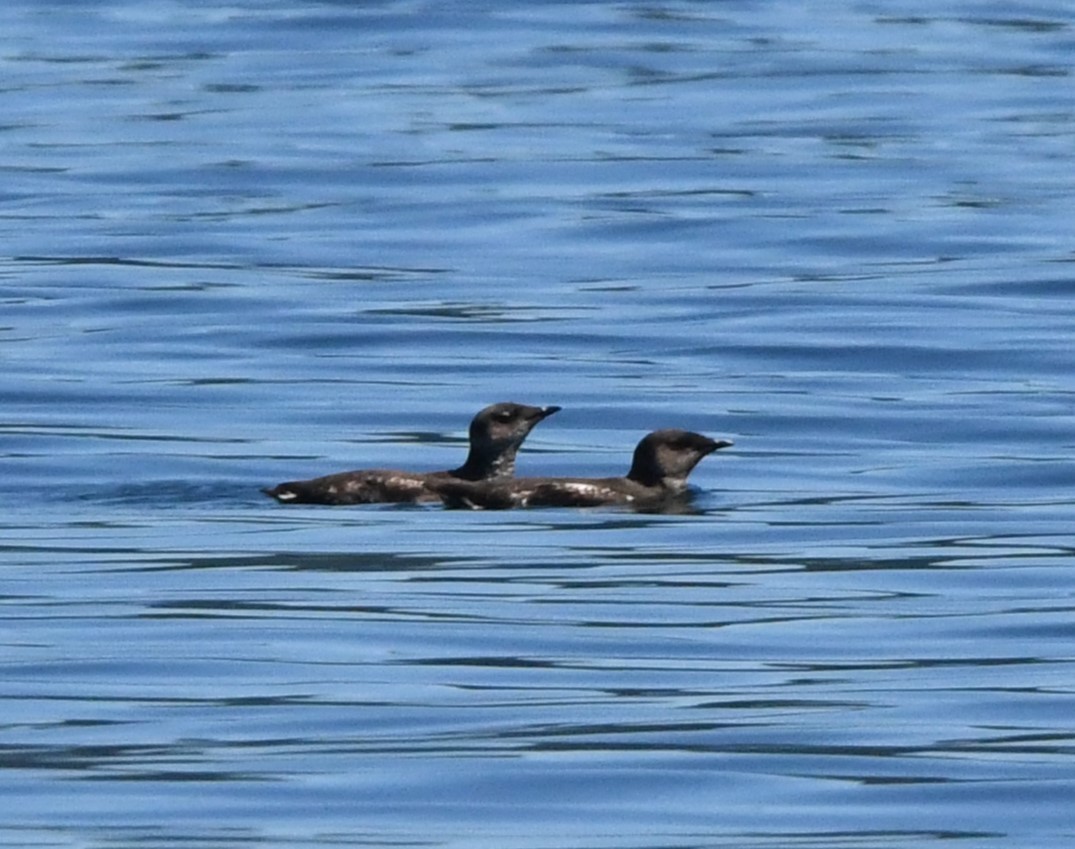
pixel 504 416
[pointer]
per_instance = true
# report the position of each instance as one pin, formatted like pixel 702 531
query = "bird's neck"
pixel 486 462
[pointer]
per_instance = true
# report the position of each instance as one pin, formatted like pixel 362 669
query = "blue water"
pixel 250 242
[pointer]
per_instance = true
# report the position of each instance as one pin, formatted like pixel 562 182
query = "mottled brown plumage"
pixel 495 436
pixel 658 475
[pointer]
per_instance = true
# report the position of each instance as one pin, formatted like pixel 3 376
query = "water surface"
pixel 249 243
